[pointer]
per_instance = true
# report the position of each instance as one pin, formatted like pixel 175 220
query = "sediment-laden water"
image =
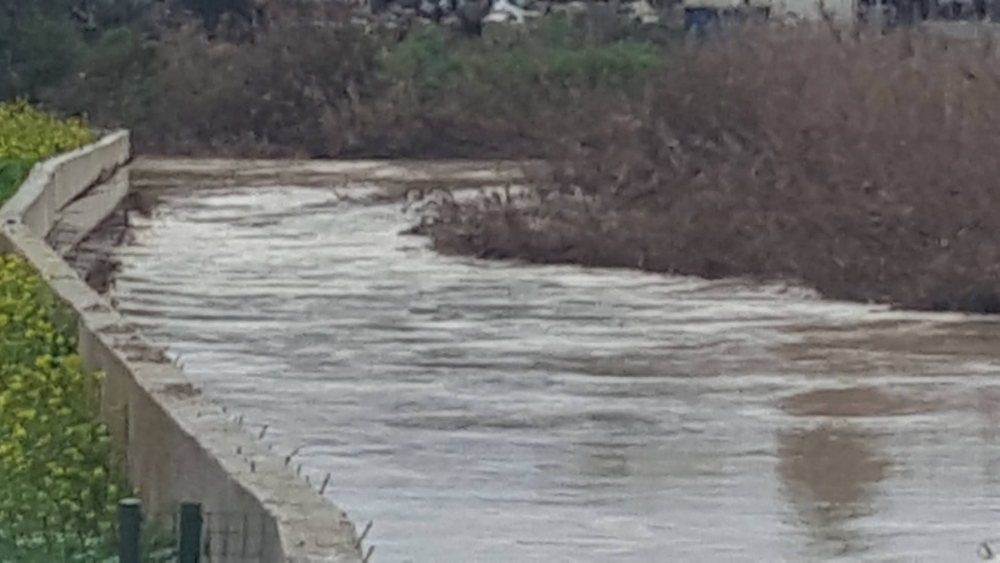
pixel 496 412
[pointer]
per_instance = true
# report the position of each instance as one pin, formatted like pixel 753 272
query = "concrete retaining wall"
pixel 177 446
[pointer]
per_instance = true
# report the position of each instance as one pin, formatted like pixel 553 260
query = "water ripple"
pixel 500 412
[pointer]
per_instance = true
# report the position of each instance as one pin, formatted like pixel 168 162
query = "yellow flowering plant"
pixel 28 135
pixel 59 490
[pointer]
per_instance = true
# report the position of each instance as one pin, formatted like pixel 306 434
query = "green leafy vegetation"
pixel 29 134
pixel 44 43
pixel 13 171
pixel 554 54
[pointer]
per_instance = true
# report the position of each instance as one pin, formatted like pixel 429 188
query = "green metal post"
pixel 129 530
pixel 189 547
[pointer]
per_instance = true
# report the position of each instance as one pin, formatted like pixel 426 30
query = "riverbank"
pixel 858 165
pixel 742 157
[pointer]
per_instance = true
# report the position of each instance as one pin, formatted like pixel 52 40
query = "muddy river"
pixel 497 412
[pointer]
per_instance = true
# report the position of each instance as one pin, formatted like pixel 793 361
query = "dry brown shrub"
pixel 863 165
pixel 294 90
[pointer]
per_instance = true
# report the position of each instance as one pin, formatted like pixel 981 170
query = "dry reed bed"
pixel 862 165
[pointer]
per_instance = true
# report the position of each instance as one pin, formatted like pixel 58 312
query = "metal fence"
pixel 189 535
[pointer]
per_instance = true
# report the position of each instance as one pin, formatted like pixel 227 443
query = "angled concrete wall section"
pixel 177 445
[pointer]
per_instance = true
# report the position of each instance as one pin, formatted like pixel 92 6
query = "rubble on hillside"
pixel 509 11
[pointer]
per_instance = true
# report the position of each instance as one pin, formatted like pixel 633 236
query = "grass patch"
pixel 13 172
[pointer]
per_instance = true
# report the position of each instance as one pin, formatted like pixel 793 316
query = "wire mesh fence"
pixel 192 535
pixel 231 535
pixel 187 534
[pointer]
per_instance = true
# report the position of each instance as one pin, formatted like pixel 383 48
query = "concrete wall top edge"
pixel 42 172
pixel 238 470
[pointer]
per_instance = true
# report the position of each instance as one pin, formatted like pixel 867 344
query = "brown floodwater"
pixel 502 412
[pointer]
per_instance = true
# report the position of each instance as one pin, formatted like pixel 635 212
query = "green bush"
pixel 554 55
pixel 112 79
pixel 47 51
pixel 46 43
pixel 29 134
pixel 38 44
pixel 510 93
